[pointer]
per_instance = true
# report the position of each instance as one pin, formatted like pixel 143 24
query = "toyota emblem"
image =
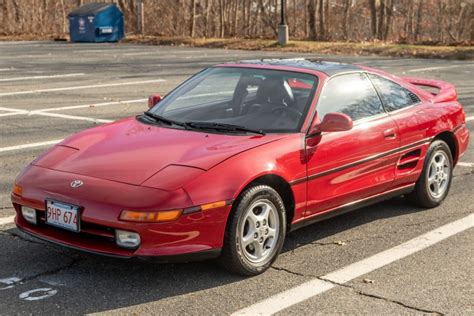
pixel 76 183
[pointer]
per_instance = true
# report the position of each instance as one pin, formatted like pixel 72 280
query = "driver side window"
pixel 351 94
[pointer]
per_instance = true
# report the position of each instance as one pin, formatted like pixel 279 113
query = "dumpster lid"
pixel 91 9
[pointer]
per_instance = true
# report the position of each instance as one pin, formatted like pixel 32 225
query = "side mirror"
pixel 153 100
pixel 332 122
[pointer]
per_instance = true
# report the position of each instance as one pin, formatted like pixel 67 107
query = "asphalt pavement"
pixel 49 90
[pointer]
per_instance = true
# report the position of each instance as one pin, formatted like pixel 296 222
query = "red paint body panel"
pixel 128 165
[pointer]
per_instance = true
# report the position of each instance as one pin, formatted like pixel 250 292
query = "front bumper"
pixel 198 235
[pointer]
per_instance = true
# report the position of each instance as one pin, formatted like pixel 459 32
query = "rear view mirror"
pixel 332 122
pixel 153 100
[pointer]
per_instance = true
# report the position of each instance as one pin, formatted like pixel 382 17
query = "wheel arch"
pixel 283 188
pixel 449 138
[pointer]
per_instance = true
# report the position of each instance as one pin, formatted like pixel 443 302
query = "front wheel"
pixel 255 231
pixel 435 180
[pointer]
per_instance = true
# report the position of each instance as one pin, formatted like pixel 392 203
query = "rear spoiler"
pixel 447 91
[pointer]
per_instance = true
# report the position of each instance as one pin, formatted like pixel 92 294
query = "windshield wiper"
pixel 159 118
pixel 223 127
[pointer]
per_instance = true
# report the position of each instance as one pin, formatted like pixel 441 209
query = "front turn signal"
pixel 150 217
pixel 17 190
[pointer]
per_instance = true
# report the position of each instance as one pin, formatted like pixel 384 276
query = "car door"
pixel 402 106
pixel 345 167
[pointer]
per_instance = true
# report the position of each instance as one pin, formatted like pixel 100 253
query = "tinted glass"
pixel 394 96
pixel 261 99
pixel 351 94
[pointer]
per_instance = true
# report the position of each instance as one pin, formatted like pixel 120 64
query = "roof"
pixel 91 9
pixel 330 68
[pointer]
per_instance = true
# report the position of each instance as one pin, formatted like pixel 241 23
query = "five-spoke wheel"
pixel 433 185
pixel 255 231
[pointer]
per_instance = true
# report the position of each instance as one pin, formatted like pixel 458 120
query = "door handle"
pixel 390 133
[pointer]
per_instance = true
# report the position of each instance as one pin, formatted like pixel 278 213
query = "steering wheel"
pixel 291 111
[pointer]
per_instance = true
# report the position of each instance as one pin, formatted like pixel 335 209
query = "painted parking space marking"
pixel 466 164
pixel 90 105
pixel 438 68
pixel 470 118
pixel 322 284
pixel 74 117
pixel 9 282
pixel 32 295
pixel 117 84
pixel 30 145
pixel 7 220
pixel 42 77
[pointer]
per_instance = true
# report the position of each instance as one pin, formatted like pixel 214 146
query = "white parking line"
pixel 41 77
pixel 12 110
pixel 320 285
pixel 470 118
pixel 30 145
pixel 127 83
pixel 91 105
pixel 466 164
pixel 437 68
pixel 7 220
pixel 73 117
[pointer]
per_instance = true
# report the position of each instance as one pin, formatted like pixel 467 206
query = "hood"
pixel 129 151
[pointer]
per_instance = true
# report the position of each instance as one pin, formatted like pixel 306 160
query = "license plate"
pixel 63 215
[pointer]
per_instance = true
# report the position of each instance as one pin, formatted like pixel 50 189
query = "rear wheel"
pixel 255 231
pixel 433 185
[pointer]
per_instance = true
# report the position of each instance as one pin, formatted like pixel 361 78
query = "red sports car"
pixel 238 155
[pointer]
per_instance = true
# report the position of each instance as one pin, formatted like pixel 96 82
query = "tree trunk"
pixel 193 18
pixel 417 31
pixel 322 31
pixel 221 18
pixel 381 18
pixel 311 8
pixel 373 18
pixel 388 21
pixel 346 6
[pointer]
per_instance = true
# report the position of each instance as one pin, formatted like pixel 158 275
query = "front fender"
pixel 284 158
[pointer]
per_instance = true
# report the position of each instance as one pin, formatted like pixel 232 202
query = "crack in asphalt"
pixel 57 270
pixel 379 297
pixel 291 272
pixel 359 292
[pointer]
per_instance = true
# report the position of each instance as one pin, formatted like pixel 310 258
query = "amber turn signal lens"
pixel 150 217
pixel 17 190
pixel 209 206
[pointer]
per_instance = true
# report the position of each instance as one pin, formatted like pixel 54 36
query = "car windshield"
pixel 254 99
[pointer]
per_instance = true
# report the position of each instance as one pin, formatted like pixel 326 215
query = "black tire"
pixel 233 257
pixel 422 195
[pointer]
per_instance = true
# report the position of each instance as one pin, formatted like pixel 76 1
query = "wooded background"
pixel 401 21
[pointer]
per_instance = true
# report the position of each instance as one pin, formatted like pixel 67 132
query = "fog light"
pixel 29 214
pixel 127 239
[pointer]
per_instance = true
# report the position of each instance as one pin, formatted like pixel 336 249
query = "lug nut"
pixel 266 231
pixel 255 235
pixel 264 222
pixel 261 239
pixel 257 224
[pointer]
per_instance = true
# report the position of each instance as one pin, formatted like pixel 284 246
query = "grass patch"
pixel 333 48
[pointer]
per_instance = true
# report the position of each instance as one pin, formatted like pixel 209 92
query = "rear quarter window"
pixel 394 96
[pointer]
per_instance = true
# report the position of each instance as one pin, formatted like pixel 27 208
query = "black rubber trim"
pixel 187 257
pixel 352 206
pixel 359 162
